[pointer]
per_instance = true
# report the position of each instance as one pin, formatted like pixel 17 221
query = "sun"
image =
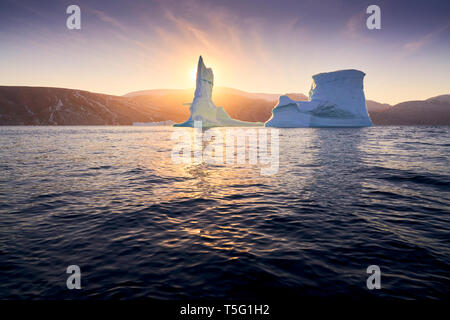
pixel 193 74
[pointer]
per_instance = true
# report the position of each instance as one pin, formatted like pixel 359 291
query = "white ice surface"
pixel 336 100
pixel 203 108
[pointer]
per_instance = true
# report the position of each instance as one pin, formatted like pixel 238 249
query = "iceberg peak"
pixel 203 108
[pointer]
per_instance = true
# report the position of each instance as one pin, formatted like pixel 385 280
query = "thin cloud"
pixel 414 46
pixel 108 19
pixel 355 28
pixel 353 25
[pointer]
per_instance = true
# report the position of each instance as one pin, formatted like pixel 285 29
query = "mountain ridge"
pixel 28 105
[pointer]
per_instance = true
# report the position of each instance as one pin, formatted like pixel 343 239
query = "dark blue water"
pixel 110 200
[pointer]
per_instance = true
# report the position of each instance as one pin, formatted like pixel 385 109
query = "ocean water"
pixel 111 200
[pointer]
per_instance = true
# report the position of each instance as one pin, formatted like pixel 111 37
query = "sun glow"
pixel 193 74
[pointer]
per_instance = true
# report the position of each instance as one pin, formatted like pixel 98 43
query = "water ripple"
pixel 140 226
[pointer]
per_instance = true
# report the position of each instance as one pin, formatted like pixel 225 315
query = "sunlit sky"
pixel 255 45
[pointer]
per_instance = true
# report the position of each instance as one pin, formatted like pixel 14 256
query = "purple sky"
pixel 259 46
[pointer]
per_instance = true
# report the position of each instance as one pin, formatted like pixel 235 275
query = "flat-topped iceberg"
pixel 203 108
pixel 336 99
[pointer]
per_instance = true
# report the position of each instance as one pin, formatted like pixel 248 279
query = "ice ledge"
pixel 336 100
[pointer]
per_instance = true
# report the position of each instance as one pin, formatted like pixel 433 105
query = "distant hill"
pixel 373 106
pixel 433 111
pixel 220 90
pixel 58 106
pixel 241 105
pixel 441 98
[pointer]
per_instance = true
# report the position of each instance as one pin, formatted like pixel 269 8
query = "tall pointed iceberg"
pixel 203 108
pixel 336 99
